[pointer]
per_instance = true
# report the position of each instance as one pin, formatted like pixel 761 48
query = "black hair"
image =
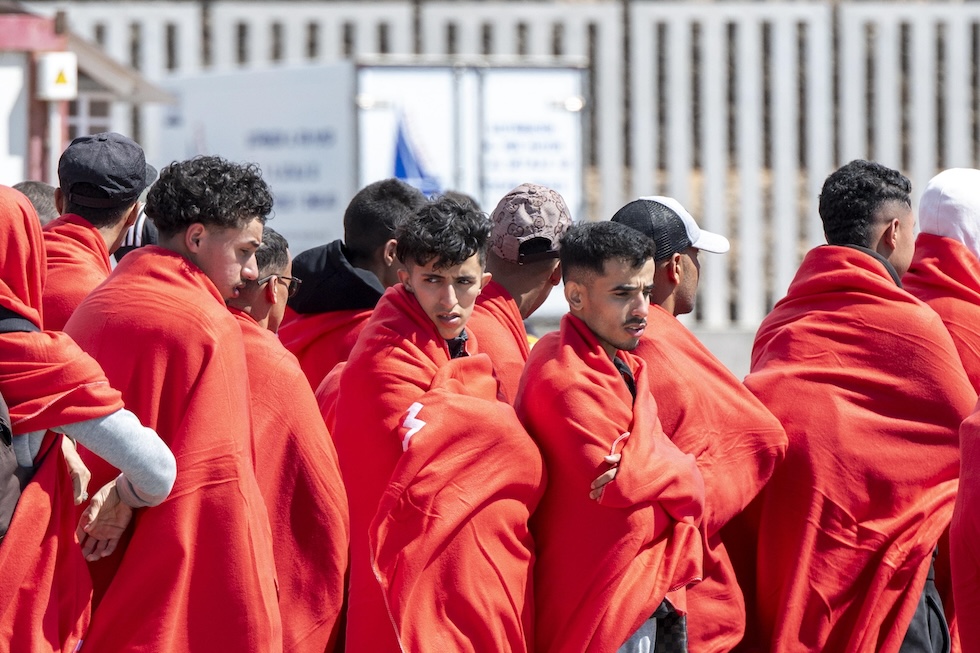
pixel 374 212
pixel 209 190
pixel 588 245
pixel 446 231
pixel 462 199
pixel 273 255
pixel 99 217
pixel 41 196
pixel 852 196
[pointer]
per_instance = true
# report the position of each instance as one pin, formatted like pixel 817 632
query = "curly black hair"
pixel 209 190
pixel 851 197
pixel 446 231
pixel 588 245
pixel 374 212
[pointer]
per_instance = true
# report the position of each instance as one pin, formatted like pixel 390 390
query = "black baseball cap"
pixel 104 170
pixel 670 226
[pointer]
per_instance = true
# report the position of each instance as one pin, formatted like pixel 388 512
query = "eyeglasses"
pixel 292 283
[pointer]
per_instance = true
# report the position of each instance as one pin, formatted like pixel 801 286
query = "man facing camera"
pixel 617 530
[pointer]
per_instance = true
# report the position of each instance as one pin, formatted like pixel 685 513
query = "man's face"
pixel 447 295
pixel 278 310
pixel 615 304
pixel 687 289
pixel 227 256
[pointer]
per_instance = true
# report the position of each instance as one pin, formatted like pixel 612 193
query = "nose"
pixel 641 307
pixel 447 298
pixel 250 272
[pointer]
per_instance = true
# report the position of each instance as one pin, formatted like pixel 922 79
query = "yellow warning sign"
pixel 57 76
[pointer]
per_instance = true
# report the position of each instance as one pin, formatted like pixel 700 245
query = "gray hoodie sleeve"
pixel 148 467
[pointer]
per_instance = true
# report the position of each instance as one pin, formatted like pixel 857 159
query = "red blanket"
pixel 47 381
pixel 327 394
pixel 322 340
pixel 396 358
pixel 161 331
pixel 604 566
pixel 946 275
pixel 299 476
pixel 707 412
pixel 868 384
pixel 964 534
pixel 498 324
pixel 450 542
pixel 78 261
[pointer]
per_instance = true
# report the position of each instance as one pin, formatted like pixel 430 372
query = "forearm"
pixel 148 467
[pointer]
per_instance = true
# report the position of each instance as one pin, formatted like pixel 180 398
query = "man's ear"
pixel 270 289
pixel 59 201
pixel 193 237
pixel 388 254
pixel 485 279
pixel 574 293
pixel 673 269
pixel 890 235
pixel 133 215
pixel 555 277
pixel 404 277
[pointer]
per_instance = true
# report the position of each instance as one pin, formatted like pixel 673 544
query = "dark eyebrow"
pixel 627 287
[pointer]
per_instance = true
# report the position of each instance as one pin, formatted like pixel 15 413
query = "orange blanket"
pixel 868 384
pixel 498 324
pixel 946 275
pixel 321 340
pixel 450 543
pixel 299 476
pixel 604 566
pixel 707 412
pixel 47 381
pixel 78 261
pixel 161 331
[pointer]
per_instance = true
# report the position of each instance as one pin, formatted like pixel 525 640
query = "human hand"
pixel 606 477
pixel 80 475
pixel 103 523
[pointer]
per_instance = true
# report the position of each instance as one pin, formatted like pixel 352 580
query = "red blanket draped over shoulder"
pixel 78 261
pixel 946 275
pixel 709 413
pixel 868 384
pixel 321 340
pixel 396 358
pixel 603 567
pixel 47 381
pixel 450 541
pixel 198 572
pixel 497 322
pixel 299 476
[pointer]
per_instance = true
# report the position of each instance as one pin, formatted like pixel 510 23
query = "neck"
pixel 257 310
pixel 524 286
pixel 668 304
pixel 113 236
pixel 175 244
